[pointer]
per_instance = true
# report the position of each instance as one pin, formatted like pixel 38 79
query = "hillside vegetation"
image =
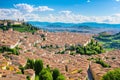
pixel 92 48
pixel 109 41
pixel 25 27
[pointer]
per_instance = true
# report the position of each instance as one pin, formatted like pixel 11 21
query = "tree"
pixel 112 75
pixel 85 50
pixel 102 63
pixel 60 77
pixel 28 77
pixel 30 64
pixel 38 66
pixel 92 41
pixel 55 74
pixel 72 48
pixel 45 75
pixel 80 50
pixel 42 73
pixel 14 51
pixel 22 69
pixel 48 68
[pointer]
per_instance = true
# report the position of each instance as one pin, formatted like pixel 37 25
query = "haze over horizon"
pixel 70 11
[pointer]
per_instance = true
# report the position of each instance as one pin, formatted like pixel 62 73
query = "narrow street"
pixel 90 77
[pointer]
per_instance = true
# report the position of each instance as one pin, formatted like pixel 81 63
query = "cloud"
pixel 15 14
pixel 10 14
pixel 44 8
pixel 32 17
pixel 30 8
pixel 24 7
pixel 116 15
pixel 88 1
pixel 78 18
pixel 117 0
pixel 61 16
pixel 65 12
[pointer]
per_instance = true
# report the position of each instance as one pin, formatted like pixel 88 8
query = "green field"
pixel 110 42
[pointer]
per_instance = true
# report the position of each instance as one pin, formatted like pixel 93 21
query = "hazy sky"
pixel 106 11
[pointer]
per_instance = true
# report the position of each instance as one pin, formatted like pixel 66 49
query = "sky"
pixel 68 11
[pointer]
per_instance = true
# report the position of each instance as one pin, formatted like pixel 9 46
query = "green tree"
pixel 80 50
pixel 102 63
pixel 30 64
pixel 38 66
pixel 28 77
pixel 60 77
pixel 48 68
pixel 55 74
pixel 112 75
pixel 45 75
pixel 92 42
pixel 14 51
pixel 22 69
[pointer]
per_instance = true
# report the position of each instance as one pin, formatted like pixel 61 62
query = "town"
pixel 17 46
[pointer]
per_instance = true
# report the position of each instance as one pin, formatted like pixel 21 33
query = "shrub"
pixel 112 75
pixel 61 77
pixel 102 63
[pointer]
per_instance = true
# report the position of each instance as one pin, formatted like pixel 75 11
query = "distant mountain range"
pixel 88 27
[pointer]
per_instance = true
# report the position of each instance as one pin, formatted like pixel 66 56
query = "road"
pixel 90 77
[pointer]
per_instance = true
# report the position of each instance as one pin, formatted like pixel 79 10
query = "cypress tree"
pixel 38 66
pixel 56 73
